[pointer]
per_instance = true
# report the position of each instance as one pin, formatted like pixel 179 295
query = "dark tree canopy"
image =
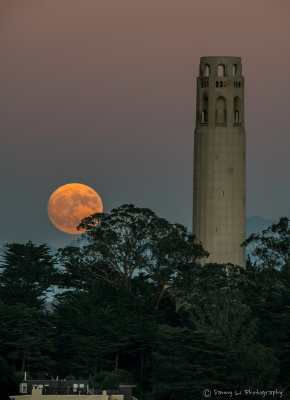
pixel 129 241
pixel 27 273
pixel 137 307
pixel 271 248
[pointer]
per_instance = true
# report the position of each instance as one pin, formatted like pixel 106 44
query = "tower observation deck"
pixel 219 194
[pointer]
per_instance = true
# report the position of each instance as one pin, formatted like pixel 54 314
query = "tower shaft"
pixel 219 198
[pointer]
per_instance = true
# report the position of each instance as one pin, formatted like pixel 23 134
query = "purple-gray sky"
pixel 102 92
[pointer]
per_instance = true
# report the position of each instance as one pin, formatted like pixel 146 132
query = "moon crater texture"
pixel 70 203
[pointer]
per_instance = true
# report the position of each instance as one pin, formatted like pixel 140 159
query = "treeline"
pixel 133 305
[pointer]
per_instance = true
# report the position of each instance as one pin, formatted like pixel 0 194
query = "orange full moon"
pixel 70 203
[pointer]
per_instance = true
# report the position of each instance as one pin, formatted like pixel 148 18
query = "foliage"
pixel 26 338
pixel 140 309
pixel 111 379
pixel 186 361
pixel 28 272
pixel 9 380
pixel 271 248
pixel 99 329
pixel 218 302
pixel 126 242
pixel 215 302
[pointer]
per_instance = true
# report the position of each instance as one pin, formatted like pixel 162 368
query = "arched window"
pixel 237 110
pixel 235 69
pixel 206 70
pixel 204 111
pixel 221 70
pixel 220 110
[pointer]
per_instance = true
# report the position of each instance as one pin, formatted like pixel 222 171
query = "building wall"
pixel 219 200
pixel 37 395
pixel 69 397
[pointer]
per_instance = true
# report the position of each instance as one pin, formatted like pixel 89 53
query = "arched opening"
pixel 237 110
pixel 221 70
pixel 206 70
pixel 220 110
pixel 237 117
pixel 235 70
pixel 204 112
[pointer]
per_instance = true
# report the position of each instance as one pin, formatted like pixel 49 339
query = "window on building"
pixel 221 70
pixel 206 70
pixel 204 112
pixel 235 69
pixel 75 387
pixel 23 388
pixel 237 110
pixel 220 110
pixel 237 117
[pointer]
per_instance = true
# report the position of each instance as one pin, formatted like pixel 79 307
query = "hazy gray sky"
pixel 102 92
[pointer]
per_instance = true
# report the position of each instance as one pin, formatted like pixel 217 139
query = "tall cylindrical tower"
pixel 219 197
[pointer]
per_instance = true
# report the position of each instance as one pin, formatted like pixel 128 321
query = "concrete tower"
pixel 219 197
